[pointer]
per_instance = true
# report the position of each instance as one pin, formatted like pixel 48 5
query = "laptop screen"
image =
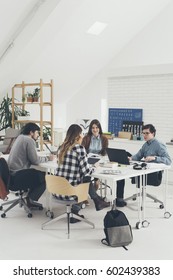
pixel 118 155
pixel 92 160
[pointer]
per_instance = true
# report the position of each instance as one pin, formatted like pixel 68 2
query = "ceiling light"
pixel 97 28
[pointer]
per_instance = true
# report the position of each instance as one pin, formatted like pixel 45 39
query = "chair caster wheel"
pixel 1 208
pixel 29 215
pixel 167 215
pixel 3 215
pixel 50 214
pixel 161 206
pixel 138 225
pixel 83 206
pixel 145 223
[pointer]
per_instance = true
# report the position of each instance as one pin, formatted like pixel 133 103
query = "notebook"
pixel 118 155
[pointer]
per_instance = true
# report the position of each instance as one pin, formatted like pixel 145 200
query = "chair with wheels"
pixel 67 195
pixel 20 200
pixel 22 196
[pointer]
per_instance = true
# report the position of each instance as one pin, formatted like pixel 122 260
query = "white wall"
pixel 87 103
pixel 152 46
pixel 149 53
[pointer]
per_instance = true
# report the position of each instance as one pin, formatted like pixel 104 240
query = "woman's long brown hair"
pixel 72 138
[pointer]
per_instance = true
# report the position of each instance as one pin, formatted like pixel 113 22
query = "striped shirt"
pixel 75 165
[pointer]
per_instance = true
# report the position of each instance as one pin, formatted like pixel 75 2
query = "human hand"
pixel 150 158
pixel 96 164
pixel 51 157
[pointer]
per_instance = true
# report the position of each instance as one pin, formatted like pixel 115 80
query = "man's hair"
pixel 150 127
pixel 29 127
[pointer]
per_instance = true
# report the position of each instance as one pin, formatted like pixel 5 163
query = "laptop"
pixel 93 160
pixel 118 155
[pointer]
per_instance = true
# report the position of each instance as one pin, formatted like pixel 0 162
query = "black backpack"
pixel 117 229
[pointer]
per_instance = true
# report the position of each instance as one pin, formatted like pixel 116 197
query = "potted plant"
pixel 29 97
pixel 6 112
pixel 23 114
pixel 36 94
pixel 46 133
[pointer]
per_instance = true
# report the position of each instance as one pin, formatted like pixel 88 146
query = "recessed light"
pixel 97 28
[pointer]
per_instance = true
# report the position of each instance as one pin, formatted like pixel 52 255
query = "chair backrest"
pixel 4 178
pixel 10 137
pixel 125 135
pixel 61 186
pixel 9 134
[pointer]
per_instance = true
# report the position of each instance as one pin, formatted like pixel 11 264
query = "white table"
pixel 128 172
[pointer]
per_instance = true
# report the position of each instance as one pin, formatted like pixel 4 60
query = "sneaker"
pixel 120 203
pixel 75 220
pixel 100 203
pixel 33 205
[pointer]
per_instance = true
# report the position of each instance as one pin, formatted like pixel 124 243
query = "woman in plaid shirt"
pixel 73 165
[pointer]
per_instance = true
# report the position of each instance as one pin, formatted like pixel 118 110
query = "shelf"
pixel 32 103
pixel 32 85
pixel 41 120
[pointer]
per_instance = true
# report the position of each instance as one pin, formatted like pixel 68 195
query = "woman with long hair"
pixel 95 142
pixel 73 165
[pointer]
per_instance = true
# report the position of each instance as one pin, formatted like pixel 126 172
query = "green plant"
pixel 29 97
pixel 29 94
pixel 6 113
pixel 46 133
pixel 36 92
pixel 23 112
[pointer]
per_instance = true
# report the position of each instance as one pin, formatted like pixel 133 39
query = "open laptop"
pixel 92 160
pixel 118 155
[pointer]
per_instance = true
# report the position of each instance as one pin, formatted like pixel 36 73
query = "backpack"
pixel 117 229
pixel 4 179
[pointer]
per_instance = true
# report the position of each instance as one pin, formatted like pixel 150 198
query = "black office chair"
pixel 22 195
pixel 153 179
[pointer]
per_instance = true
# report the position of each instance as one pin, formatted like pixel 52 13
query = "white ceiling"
pixel 52 41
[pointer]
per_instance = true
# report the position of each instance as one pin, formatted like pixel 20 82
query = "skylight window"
pixel 97 28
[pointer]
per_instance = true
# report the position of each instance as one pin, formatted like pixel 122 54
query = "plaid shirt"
pixel 75 165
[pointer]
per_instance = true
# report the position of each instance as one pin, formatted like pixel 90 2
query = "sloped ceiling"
pixel 49 39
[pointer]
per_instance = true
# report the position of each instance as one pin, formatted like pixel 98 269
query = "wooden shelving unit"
pixel 19 92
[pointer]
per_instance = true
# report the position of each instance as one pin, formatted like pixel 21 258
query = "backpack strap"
pixel 104 241
pixel 125 248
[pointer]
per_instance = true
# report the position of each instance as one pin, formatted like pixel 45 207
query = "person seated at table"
pixel 152 151
pixel 95 142
pixel 73 165
pixel 22 155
